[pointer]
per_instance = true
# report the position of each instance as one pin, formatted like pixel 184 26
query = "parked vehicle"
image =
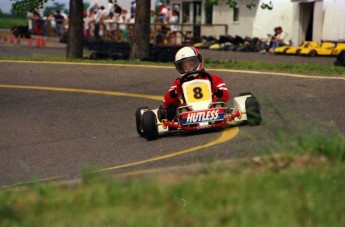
pixel 295 50
pixel 325 49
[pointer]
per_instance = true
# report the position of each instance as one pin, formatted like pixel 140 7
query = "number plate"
pixel 198 93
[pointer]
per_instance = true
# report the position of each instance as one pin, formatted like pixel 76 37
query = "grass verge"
pixel 8 23
pixel 302 187
pixel 307 68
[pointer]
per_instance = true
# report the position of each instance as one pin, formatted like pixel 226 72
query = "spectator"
pixel 117 9
pixel 30 17
pixel 65 23
pixel 152 17
pixel 162 12
pixel 132 19
pixel 59 23
pixel 93 8
pixel 98 19
pixel 278 39
pixel 110 26
pixel 173 21
pixel 38 23
pixel 167 14
pixel 122 24
pixel 51 19
pixel 88 21
pixel 132 9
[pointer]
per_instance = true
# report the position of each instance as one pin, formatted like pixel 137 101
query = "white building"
pixel 302 19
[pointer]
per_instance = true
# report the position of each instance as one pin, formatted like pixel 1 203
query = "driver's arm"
pixel 219 89
pixel 174 93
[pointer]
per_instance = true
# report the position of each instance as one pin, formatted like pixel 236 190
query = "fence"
pixel 160 33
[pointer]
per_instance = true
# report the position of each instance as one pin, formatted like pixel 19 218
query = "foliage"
pixel 56 6
pixel 28 5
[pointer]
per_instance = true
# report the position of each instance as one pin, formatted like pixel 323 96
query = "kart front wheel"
pixel 138 120
pixel 253 111
pixel 149 124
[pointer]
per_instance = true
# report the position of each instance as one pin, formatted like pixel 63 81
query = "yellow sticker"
pixel 198 93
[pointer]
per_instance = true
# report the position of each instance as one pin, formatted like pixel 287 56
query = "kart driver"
pixel 189 59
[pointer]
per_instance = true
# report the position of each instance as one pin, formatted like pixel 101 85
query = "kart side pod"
pixel 249 108
pixel 240 105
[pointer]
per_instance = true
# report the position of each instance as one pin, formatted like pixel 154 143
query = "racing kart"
pixel 197 110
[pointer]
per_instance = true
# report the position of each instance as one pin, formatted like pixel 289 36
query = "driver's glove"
pixel 218 93
pixel 176 92
pixel 173 94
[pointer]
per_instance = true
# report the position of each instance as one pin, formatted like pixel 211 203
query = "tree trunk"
pixel 75 30
pixel 141 31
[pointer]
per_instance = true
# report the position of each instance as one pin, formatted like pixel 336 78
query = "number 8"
pixel 198 93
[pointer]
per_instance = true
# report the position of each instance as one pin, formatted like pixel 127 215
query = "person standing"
pixel 174 21
pixel 59 22
pixel 117 9
pixel 38 24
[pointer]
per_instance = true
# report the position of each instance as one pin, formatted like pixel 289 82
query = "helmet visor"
pixel 187 65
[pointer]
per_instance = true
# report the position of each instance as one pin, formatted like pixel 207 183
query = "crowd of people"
pixel 112 22
pixel 106 22
pixel 55 23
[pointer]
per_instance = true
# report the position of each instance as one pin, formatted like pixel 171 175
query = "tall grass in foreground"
pixel 307 189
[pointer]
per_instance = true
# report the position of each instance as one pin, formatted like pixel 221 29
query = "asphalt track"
pixel 57 119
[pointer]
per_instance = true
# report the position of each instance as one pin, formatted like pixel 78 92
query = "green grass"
pixel 309 68
pixel 8 23
pixel 293 189
pixel 243 65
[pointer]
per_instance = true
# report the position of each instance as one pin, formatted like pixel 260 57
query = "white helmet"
pixel 188 59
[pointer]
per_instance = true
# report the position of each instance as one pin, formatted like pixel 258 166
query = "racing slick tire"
pixel 253 111
pixel 149 124
pixel 138 120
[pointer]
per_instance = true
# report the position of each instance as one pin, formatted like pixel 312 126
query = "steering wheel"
pixel 203 73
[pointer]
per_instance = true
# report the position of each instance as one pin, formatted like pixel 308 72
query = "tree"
pixel 141 31
pixel 75 31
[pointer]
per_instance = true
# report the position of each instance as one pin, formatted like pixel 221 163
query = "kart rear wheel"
pixel 149 124
pixel 253 111
pixel 138 120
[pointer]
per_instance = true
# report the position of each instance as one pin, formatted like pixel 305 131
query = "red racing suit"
pixel 219 91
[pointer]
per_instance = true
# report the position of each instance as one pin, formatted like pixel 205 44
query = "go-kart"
pixel 326 49
pixel 296 49
pixel 197 111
